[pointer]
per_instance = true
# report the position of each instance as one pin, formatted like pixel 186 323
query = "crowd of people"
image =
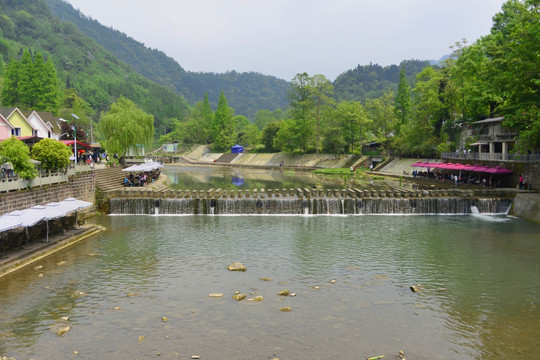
pixel 142 178
pixel 471 178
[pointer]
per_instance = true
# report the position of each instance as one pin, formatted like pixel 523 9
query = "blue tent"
pixel 237 149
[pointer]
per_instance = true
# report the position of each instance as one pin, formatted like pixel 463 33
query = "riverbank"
pixel 17 259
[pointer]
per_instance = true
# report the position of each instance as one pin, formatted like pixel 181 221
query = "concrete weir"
pixel 308 202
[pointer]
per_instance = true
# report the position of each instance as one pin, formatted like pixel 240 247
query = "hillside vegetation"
pixel 98 76
pixel 246 92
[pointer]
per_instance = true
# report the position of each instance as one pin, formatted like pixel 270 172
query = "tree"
pixel 301 130
pixel 354 122
pixel 286 138
pixel 269 133
pixel 17 153
pixel 403 100
pixel 251 135
pixel 223 126
pixel 126 126
pixel 381 112
pixel 52 154
pixel 333 139
pixel 31 84
pixel 514 49
pixel 10 90
pixel 322 90
pixel 73 104
pixel 264 117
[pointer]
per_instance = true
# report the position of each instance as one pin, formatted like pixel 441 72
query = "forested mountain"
pixel 246 92
pixel 372 81
pixel 98 76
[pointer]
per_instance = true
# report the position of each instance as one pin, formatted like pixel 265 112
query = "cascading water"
pixel 313 206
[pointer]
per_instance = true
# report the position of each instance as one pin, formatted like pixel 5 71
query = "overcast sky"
pixel 286 37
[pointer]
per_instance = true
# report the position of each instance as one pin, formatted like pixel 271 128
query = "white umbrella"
pixel 8 223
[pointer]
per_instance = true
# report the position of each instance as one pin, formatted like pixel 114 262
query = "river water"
pixel 479 277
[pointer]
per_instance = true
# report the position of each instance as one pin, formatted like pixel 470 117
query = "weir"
pixel 307 202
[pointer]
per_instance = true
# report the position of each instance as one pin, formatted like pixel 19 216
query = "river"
pixel 140 290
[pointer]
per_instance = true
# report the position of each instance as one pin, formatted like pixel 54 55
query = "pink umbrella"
pixel 498 170
pixel 479 168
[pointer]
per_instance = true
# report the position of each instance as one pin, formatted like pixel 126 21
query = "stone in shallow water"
pixel 237 266
pixel 141 338
pixel 63 330
pixel 164 319
pixel 266 279
pixel 215 295
pixel 239 297
pixel 285 309
pixel 284 292
pixel 257 298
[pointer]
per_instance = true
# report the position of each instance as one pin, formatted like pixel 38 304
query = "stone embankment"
pixel 202 155
pixel 527 206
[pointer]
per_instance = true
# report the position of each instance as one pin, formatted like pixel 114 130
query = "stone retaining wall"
pixel 80 186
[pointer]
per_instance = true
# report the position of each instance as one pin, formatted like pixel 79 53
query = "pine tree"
pixel 403 100
pixel 25 81
pixel 223 125
pixel 10 90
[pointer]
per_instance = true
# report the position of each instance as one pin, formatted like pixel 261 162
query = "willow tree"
pixel 126 127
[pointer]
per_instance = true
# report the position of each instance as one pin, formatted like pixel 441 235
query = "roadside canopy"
pixel 71 142
pixel 466 167
pixel 237 149
pixel 149 166
pixel 35 214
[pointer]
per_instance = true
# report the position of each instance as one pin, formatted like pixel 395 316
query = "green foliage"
pixel 31 84
pixel 223 125
pixel 264 117
pixel 300 130
pixel 372 81
pixel 98 76
pixel 269 133
pixel 353 121
pixel 52 154
pixel 403 99
pixel 126 126
pixel 381 112
pixel 17 153
pixel 246 92
pixel 250 136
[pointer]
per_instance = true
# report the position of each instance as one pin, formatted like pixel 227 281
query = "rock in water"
pixel 215 295
pixel 237 266
pixel 284 292
pixel 286 309
pixel 239 297
pixel 63 330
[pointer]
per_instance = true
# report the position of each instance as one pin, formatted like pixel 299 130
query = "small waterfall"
pixel 313 206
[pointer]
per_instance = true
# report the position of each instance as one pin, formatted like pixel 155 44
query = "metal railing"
pixel 14 183
pixel 493 156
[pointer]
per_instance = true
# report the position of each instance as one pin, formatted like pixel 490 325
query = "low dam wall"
pixel 309 202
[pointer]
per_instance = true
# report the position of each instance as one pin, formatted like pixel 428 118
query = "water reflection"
pixel 208 177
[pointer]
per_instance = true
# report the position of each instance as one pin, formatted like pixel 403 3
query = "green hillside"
pixel 372 81
pixel 246 92
pixel 97 75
